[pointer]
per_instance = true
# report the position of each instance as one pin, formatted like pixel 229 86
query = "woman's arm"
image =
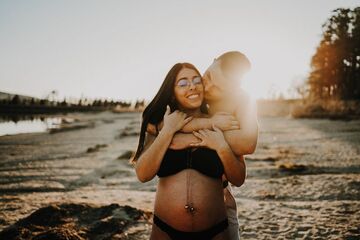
pixel 234 167
pixel 149 161
pixel 148 164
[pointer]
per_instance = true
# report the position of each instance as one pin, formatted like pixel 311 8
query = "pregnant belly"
pixel 201 192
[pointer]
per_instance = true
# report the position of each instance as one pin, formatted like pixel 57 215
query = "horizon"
pixel 75 100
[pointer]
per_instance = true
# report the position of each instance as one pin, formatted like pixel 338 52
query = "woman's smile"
pixel 188 90
pixel 193 96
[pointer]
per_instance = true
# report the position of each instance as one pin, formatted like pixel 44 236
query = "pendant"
pixel 189 208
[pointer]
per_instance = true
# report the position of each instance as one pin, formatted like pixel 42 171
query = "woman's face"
pixel 188 89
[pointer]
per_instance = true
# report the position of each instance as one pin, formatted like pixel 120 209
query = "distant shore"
pixel 299 108
pixel 41 109
pixel 15 104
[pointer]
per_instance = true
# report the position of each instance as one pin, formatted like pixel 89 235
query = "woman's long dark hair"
pixel 154 112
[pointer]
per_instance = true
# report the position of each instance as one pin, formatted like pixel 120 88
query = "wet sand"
pixel 303 182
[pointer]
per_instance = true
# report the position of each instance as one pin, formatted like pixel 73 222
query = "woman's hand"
pixel 174 121
pixel 225 121
pixel 213 139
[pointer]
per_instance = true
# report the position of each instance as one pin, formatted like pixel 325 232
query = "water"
pixel 29 126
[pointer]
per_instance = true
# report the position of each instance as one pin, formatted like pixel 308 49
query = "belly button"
pixel 189 208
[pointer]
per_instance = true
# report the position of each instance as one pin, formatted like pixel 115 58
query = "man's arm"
pixel 244 140
pixel 224 121
pixel 179 141
pixel 184 138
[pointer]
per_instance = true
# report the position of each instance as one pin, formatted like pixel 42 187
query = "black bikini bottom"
pixel 175 234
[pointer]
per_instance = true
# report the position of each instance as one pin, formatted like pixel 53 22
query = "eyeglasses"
pixel 183 83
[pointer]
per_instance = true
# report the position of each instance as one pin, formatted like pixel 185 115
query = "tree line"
pixel 16 100
pixel 335 67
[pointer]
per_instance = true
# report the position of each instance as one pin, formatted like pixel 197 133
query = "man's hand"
pixel 182 141
pixel 225 121
pixel 213 139
pixel 150 128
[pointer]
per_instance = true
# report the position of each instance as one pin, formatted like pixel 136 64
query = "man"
pixel 226 101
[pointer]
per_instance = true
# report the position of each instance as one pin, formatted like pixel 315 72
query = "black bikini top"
pixel 204 160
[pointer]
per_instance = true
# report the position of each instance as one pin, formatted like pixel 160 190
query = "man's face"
pixel 213 81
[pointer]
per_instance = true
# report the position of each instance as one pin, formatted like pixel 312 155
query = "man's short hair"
pixel 234 62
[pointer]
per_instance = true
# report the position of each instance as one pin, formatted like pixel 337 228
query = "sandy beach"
pixel 303 181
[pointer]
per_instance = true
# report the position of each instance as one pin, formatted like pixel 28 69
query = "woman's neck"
pixel 192 112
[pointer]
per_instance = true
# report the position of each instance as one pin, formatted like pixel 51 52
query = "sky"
pixel 123 49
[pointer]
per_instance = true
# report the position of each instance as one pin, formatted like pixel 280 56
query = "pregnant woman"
pixel 189 200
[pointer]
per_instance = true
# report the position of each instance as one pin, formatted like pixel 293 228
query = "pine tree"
pixel 336 63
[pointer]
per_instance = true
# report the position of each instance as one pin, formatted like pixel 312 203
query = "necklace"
pixel 189 206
